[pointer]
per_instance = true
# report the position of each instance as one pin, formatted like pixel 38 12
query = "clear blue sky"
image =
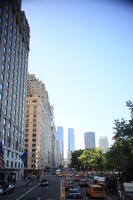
pixel 83 51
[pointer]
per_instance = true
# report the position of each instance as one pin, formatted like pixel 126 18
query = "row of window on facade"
pixel 13 164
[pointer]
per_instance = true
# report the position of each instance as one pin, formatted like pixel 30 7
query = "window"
pixel 6 102
pixel 3 67
pixel 0 96
pixel 11 163
pixel 4 122
pixel 34 130
pixel 33 145
pixel 7 163
pixel 26 140
pixel 1 86
pixel 6 93
pixel 2 77
pixel 33 140
pixel 4 49
pixel 8 153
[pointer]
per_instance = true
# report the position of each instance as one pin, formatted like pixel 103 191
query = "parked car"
pixel 6 188
pixel 126 192
pixel 95 191
pixel 83 182
pixel 74 193
pixel 43 182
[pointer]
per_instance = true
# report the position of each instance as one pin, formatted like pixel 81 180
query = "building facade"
pixel 89 138
pixel 14 50
pixel 104 144
pixel 71 142
pixel 59 135
pixel 39 128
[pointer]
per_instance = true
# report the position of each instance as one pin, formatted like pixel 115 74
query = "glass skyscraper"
pixel 60 131
pixel 89 139
pixel 71 142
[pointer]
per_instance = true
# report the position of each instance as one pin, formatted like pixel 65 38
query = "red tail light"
pixel 127 198
pixel 92 190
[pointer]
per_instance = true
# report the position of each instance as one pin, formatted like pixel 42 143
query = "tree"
pixel 93 158
pixel 74 160
pixel 120 155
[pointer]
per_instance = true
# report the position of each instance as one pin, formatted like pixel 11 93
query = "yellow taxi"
pixel 76 178
pixel 95 191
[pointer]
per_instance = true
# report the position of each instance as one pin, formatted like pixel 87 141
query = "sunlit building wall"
pixel 14 50
pixel 40 115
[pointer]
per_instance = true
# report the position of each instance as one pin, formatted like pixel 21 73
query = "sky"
pixel 83 51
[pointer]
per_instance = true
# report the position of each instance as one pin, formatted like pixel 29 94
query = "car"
pixel 43 182
pixel 74 193
pixel 1 190
pixel 101 181
pixel 95 191
pixel 126 192
pixel 6 188
pixel 76 178
pixel 68 184
pixel 83 182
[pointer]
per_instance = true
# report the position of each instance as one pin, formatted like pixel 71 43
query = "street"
pixel 54 191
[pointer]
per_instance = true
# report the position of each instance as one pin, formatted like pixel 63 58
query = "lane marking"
pixel 107 197
pixel 27 192
pixel 39 198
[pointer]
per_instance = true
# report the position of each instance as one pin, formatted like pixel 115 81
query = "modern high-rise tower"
pixel 71 142
pixel 103 143
pixel 89 138
pixel 14 49
pixel 60 131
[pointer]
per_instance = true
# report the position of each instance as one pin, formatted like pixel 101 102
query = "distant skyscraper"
pixel 71 142
pixel 103 143
pixel 89 139
pixel 60 139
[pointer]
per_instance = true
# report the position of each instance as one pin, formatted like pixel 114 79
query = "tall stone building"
pixel 39 131
pixel 14 49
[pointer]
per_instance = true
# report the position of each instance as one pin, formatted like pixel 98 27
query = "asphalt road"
pixel 54 191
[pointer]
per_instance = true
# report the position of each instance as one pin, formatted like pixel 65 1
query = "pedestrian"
pixel 14 179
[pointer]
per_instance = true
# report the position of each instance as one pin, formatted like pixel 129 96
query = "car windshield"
pixel 74 191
